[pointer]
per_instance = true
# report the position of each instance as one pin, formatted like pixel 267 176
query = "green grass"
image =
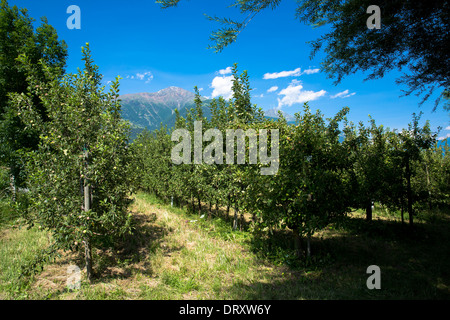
pixel 177 255
pixel 19 248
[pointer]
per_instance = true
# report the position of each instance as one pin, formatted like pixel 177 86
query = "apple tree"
pixel 80 176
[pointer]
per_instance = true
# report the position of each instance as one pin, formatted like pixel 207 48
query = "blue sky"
pixel 152 49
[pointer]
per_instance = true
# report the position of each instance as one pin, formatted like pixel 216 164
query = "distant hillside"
pixel 150 110
pixel 273 113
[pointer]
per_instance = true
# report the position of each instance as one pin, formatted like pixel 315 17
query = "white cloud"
pixel 293 73
pixel 294 93
pixel 228 70
pixel 272 89
pixel 311 71
pixel 282 74
pixel 343 94
pixel 145 76
pixel 444 137
pixel 222 87
pixel 448 128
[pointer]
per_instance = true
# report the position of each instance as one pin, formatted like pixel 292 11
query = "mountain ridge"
pixel 148 110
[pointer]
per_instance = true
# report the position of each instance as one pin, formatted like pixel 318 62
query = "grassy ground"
pixel 175 255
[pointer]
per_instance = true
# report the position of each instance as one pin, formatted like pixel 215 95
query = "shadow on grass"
pixel 132 254
pixel 243 220
pixel 414 263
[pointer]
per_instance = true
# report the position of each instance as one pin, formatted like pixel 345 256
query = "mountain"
pixel 273 113
pixel 150 110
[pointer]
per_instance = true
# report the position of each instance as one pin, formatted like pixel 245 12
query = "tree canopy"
pixel 83 144
pixel 43 48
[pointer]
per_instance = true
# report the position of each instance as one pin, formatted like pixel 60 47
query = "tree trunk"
pixel 235 222
pixel 402 202
pixel 308 246
pixel 87 244
pixel 409 193
pixel 12 184
pixel 228 211
pixel 210 210
pixel 199 206
pixel 430 206
pixel 193 204
pixel 401 210
pixel 369 211
pixel 241 224
pixel 297 243
pixel 88 259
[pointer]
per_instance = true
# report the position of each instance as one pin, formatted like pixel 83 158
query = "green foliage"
pixel 153 154
pixel 4 182
pixel 368 148
pixel 310 188
pixel 326 167
pixel 431 180
pixel 6 212
pixel 18 37
pixel 83 142
pixel 232 28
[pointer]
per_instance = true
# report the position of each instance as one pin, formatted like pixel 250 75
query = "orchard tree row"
pixel 327 167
